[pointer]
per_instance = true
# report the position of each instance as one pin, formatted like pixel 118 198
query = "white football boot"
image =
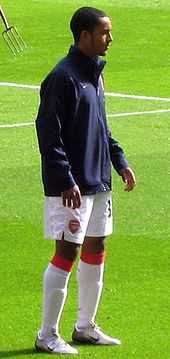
pixel 54 344
pixel 93 335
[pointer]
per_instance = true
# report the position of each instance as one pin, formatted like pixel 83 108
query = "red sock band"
pixel 93 258
pixel 62 263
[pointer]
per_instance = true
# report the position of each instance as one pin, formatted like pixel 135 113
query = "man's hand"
pixel 128 177
pixel 72 197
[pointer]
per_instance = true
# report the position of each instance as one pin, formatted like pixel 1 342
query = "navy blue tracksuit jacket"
pixel 75 144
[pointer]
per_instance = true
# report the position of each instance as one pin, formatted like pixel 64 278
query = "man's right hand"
pixel 72 197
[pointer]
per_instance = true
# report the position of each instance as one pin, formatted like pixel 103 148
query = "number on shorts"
pixel 109 208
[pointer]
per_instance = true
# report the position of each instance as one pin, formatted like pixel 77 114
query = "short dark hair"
pixel 85 18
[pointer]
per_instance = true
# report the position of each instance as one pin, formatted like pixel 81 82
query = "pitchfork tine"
pixel 11 36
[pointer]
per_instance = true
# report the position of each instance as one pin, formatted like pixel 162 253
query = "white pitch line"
pixel 12 84
pixel 14 125
pixel 137 97
pixel 111 94
pixel 123 114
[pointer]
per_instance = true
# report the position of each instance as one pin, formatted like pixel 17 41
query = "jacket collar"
pixel 91 66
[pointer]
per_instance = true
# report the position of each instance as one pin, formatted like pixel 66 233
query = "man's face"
pixel 101 37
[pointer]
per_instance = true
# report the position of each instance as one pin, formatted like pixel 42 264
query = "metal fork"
pixel 11 36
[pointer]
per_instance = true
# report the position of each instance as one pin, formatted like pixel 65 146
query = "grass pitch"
pixel 135 304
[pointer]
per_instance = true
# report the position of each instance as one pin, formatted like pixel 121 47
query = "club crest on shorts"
pixel 74 225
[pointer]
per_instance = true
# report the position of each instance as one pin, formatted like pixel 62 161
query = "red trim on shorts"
pixel 62 263
pixel 93 258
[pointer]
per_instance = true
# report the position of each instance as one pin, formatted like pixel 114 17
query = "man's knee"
pixel 67 250
pixel 93 245
pixel 93 250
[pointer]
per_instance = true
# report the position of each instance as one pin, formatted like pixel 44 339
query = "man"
pixel 77 150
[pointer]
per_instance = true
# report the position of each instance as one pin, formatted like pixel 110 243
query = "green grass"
pixel 135 303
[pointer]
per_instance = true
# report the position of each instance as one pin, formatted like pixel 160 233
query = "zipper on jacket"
pixel 104 188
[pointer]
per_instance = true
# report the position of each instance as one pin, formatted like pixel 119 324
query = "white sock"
pixel 90 281
pixel 54 296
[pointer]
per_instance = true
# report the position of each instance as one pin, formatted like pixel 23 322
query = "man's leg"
pixel 90 281
pixel 56 279
pixel 73 223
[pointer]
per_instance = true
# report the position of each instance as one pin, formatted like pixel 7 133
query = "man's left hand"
pixel 128 177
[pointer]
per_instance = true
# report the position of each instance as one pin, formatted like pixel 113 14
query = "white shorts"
pixel 93 218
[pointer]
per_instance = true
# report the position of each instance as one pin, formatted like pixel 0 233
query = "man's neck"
pixel 85 51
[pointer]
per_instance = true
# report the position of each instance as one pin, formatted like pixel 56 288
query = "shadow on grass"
pixel 17 352
pixel 24 351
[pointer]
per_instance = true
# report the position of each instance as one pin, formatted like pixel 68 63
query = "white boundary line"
pixel 136 97
pixel 122 114
pixel 111 94
pixel 15 125
pixel 12 84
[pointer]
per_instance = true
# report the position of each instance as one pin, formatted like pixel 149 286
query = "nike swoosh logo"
pixel 93 339
pixel 83 85
pixel 50 349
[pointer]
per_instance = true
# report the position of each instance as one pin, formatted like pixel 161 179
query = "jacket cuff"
pixel 121 164
pixel 68 182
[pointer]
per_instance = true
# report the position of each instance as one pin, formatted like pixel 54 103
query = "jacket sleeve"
pixel 117 155
pixel 49 126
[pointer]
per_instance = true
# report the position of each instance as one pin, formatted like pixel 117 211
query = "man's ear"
pixel 84 36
